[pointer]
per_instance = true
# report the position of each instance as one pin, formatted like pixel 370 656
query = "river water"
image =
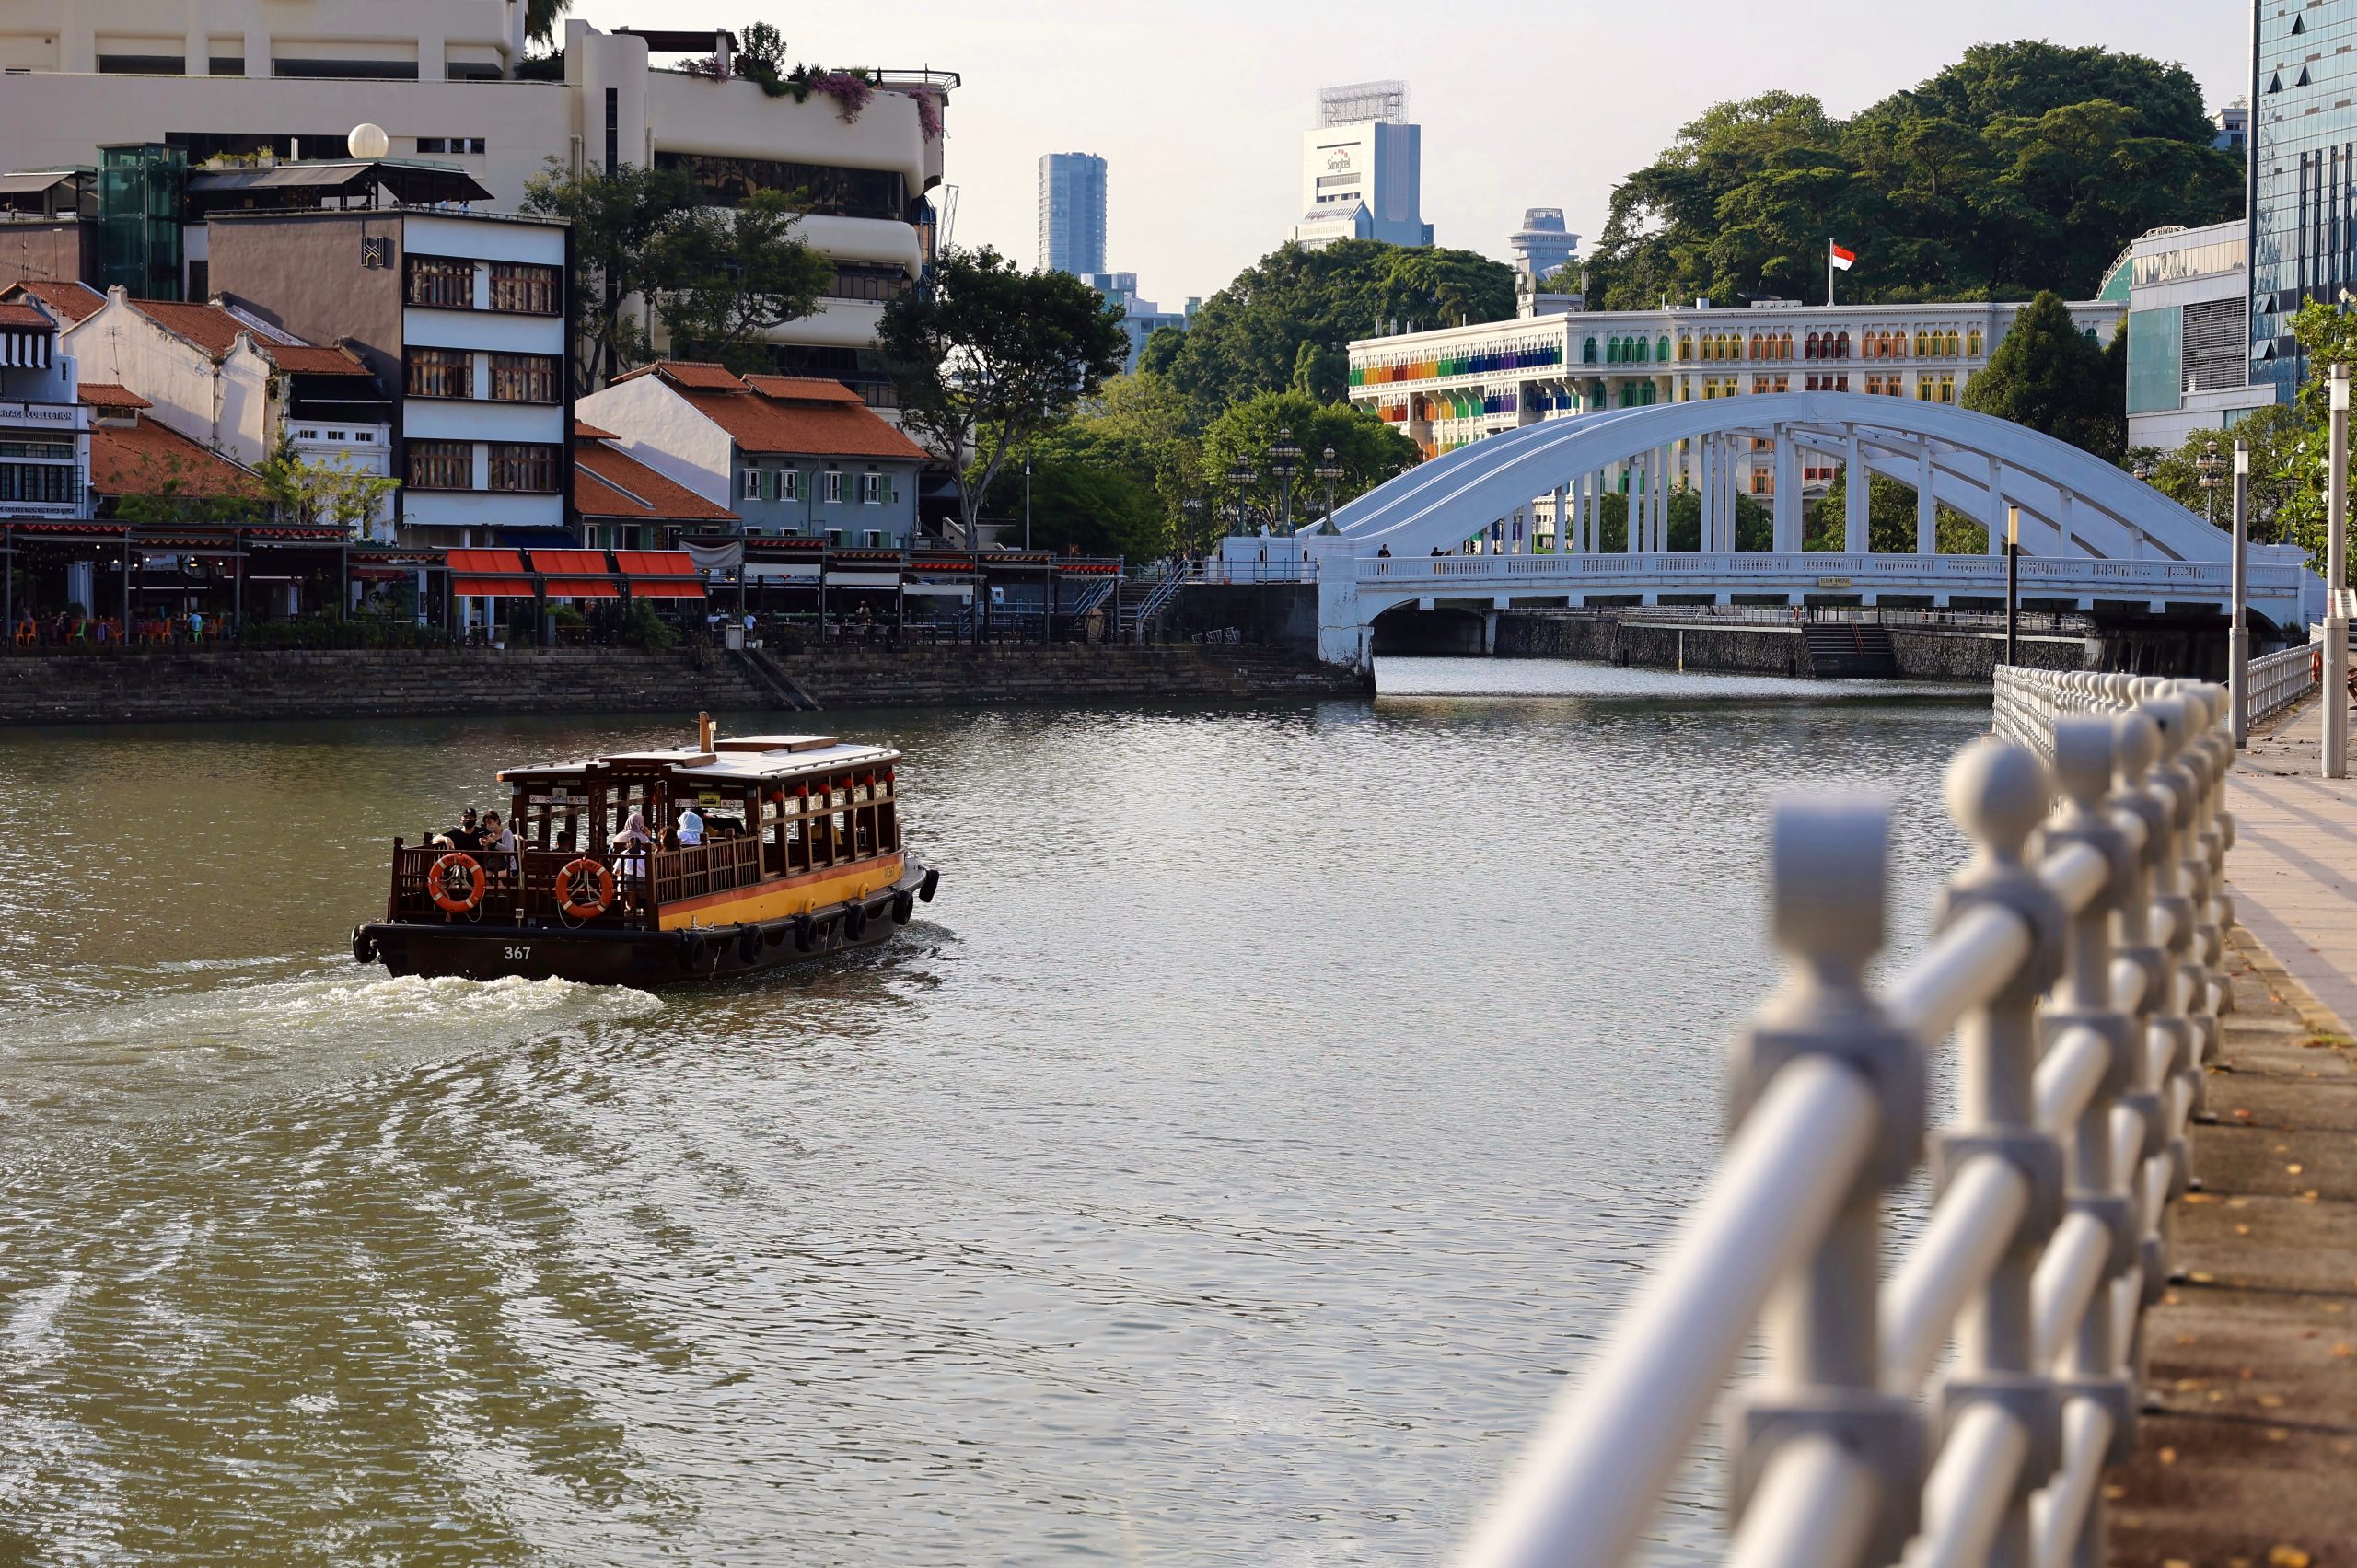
pixel 1225 1169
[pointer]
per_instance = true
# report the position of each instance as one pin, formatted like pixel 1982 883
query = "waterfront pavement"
pixel 2248 1446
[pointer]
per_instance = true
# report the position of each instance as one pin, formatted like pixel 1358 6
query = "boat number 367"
pixel 518 955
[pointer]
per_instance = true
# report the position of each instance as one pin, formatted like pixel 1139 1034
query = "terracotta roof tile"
pixel 214 331
pixel 775 426
pixel 583 429
pixel 25 316
pixel 687 373
pixel 801 390
pixel 71 301
pixel 108 394
pixel 305 360
pixel 618 485
pixel 147 458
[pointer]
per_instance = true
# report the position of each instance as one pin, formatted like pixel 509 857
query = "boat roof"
pixel 742 758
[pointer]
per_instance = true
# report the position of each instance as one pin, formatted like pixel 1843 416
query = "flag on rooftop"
pixel 1843 260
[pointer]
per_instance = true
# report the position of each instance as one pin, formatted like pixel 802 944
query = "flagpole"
pixel 1829 272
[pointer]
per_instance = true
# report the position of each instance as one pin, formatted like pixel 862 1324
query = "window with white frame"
pixel 752 483
pixel 789 485
pixel 831 487
pixel 871 490
pixel 877 539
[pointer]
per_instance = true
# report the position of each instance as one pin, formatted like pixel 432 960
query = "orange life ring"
pixel 438 882
pixel 584 869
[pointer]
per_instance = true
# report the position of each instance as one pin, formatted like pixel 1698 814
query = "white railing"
pixel 2280 680
pixel 2077 966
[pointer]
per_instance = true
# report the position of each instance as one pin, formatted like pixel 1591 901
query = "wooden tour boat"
pixel 801 857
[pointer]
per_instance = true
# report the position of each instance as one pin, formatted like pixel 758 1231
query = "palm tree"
pixel 541 17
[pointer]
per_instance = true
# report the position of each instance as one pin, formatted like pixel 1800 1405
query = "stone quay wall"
pixel 1764 650
pixel 213 685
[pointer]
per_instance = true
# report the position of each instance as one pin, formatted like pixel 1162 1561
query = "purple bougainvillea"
pixel 850 91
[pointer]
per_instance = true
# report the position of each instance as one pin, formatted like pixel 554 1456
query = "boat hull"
pixel 643 960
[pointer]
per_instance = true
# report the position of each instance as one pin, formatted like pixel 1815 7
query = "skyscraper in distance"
pixel 1362 175
pixel 2302 163
pixel 1072 212
pixel 1542 245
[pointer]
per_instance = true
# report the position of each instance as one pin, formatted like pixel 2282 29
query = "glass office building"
pixel 1072 212
pixel 2302 173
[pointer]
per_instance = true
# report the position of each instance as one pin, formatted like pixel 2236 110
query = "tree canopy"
pixel 2049 376
pixel 988 357
pixel 1286 322
pixel 1367 451
pixel 2022 166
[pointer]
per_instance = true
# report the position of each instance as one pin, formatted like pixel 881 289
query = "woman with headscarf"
pixel 632 843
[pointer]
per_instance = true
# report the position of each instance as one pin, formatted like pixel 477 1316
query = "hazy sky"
pixel 1199 109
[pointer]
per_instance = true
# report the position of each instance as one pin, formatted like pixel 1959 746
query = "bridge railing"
pixel 2279 679
pixel 2077 967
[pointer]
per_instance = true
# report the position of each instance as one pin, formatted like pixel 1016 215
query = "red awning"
pixel 489 574
pixel 577 573
pixel 661 574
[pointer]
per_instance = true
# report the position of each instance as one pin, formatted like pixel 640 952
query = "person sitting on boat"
pixel 632 843
pixel 466 837
pixel 499 844
pixel 690 827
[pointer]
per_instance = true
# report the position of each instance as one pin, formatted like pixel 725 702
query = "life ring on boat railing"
pixel 569 881
pixel 930 885
pixel 855 920
pixel 437 883
pixel 806 934
pixel 904 907
pixel 364 946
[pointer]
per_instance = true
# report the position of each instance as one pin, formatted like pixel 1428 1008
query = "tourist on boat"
pixel 498 844
pixel 690 829
pixel 467 837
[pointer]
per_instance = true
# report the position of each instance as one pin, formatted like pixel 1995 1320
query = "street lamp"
pixel 1027 501
pixel 2013 580
pixel 1241 476
pixel 1193 506
pixel 1333 473
pixel 1284 458
pixel 2207 466
pixel 2239 629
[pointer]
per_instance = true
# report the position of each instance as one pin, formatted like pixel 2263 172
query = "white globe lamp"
pixel 369 141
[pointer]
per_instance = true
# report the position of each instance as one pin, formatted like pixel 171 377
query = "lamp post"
pixel 1241 476
pixel 2208 466
pixel 1193 506
pixel 1333 473
pixel 2013 579
pixel 2239 629
pixel 1284 458
pixel 2335 706
pixel 1027 501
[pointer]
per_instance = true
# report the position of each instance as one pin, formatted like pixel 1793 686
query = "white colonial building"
pixel 44 426
pixel 1451 387
pixel 448 80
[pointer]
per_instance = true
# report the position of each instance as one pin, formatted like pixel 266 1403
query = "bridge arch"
pixel 2089 530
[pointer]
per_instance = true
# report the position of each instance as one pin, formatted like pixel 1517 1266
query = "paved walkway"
pixel 2248 1449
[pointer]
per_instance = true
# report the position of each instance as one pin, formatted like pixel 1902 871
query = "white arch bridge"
pixel 2091 533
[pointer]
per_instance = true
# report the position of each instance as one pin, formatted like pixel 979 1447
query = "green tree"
pixel 988 357
pixel 2052 378
pixel 1366 450
pixel 541 17
pixel 620 223
pixel 726 279
pixel 1248 338
pixel 2022 166
pixel 314 493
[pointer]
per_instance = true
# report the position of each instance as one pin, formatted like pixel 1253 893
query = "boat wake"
pixel 173 1049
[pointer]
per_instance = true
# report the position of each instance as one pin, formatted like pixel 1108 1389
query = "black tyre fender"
pixel 749 944
pixel 904 907
pixel 364 946
pixel 806 934
pixel 695 948
pixel 931 884
pixel 854 921
pixel 775 933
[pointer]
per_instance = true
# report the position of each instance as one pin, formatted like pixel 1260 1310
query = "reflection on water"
pixel 1272 1107
pixel 1572 678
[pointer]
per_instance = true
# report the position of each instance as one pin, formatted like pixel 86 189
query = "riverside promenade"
pixel 2248 1451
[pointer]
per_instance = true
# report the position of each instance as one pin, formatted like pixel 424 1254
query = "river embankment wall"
pixel 213 686
pixel 1764 650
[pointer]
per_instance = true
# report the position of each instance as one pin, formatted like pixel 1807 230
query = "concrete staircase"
pixel 1850 650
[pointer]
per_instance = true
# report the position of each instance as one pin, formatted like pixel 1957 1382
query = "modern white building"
pixel 1361 169
pixel 449 81
pixel 1542 247
pixel 1140 318
pixel 1449 387
pixel 2189 334
pixel 1072 214
pixel 45 426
